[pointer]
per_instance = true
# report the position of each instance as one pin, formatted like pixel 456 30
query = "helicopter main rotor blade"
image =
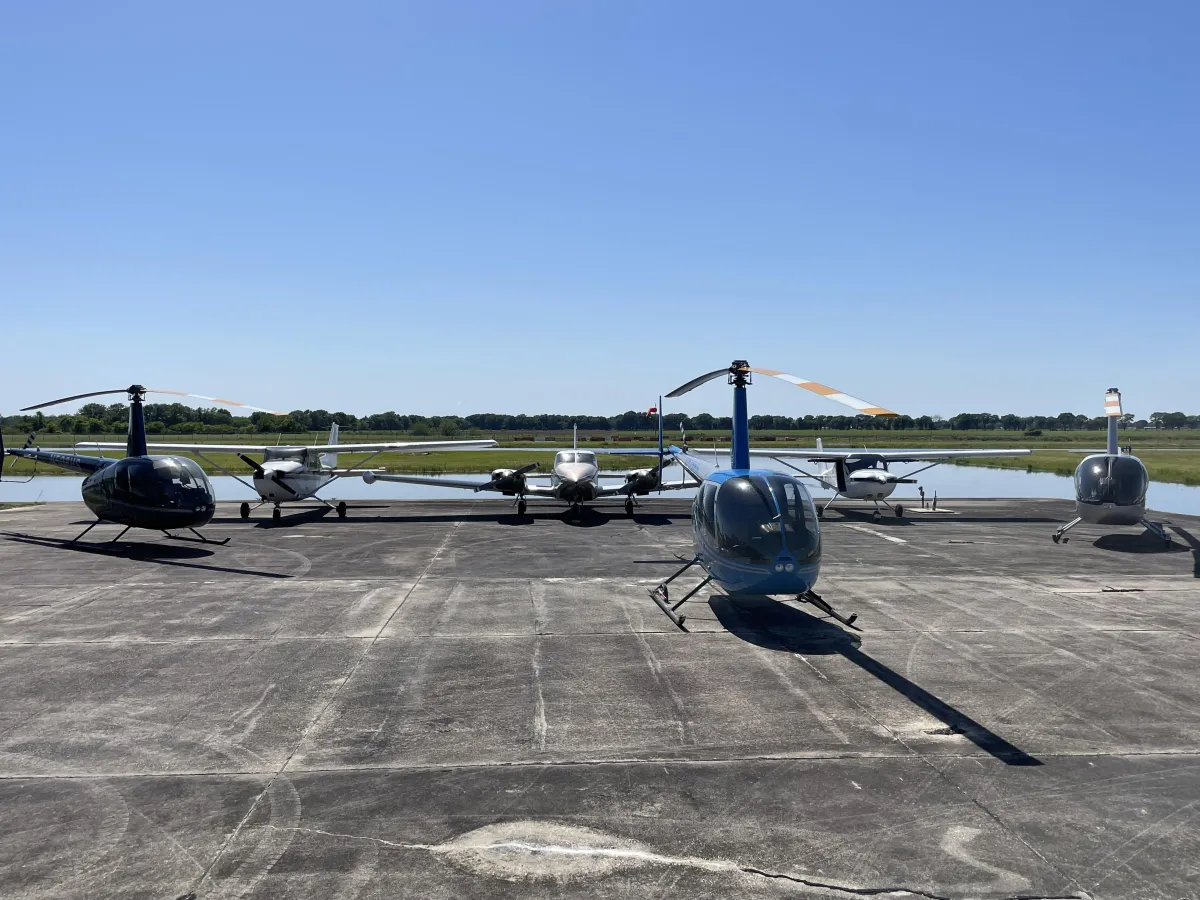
pixel 76 397
pixel 696 382
pixel 862 406
pixel 212 399
pixel 154 391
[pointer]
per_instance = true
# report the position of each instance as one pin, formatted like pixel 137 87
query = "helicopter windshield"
pixel 746 521
pixel 1119 480
pixel 798 516
pixel 181 474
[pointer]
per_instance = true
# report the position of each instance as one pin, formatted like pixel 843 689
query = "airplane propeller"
pixel 265 473
pixel 137 392
pixel 516 473
pixel 740 371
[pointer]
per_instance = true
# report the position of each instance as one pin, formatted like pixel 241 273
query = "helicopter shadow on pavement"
pixel 1194 544
pixel 1144 542
pixel 157 553
pixel 777 626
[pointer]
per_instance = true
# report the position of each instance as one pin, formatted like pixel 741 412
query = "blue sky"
pixel 567 206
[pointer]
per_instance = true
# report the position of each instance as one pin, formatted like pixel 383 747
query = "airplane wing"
pixel 403 447
pixel 464 484
pixel 392 447
pixel 900 456
pixel 531 490
pixel 625 488
pixel 695 466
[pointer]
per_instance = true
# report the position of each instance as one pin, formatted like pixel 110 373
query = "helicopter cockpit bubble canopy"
pixel 154 480
pixel 1119 480
pixel 756 517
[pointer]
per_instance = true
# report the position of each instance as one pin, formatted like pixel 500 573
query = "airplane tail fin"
pixel 330 459
pixel 574 437
pixel 1112 409
pixel 820 445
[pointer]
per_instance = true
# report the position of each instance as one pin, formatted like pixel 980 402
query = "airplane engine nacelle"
pixel 508 480
pixel 642 480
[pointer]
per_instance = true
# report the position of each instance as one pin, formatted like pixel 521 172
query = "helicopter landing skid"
pixel 819 602
pixel 661 596
pixel 198 539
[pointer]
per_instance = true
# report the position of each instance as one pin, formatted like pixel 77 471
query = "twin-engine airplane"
pixel 574 478
pixel 289 474
pixel 864 474
pixel 141 490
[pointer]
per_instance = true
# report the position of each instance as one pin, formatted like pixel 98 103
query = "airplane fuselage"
pixel 301 478
pixel 575 482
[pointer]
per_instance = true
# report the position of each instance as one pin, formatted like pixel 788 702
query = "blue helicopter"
pixel 755 531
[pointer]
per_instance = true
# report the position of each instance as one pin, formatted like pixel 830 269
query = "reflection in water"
pixel 947 481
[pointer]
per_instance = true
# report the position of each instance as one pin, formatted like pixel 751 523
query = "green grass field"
pixel 1164 452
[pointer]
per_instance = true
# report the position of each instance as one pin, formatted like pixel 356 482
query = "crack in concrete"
pixel 648 857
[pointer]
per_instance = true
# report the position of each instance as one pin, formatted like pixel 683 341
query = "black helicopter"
pixel 139 491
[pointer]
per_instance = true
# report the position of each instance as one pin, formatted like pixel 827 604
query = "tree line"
pixel 177 418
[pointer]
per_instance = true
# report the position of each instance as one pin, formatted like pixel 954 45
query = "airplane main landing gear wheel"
pixel 275 514
pixel 1056 537
pixel 520 507
pixel 876 516
pixel 244 509
pixel 629 507
pixel 899 511
pixel 341 509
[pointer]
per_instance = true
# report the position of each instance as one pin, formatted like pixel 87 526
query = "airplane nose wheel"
pixel 629 507
pixel 521 507
pixel 341 509
pixel 244 509
pixel 275 514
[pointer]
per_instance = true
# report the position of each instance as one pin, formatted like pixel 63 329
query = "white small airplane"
pixel 289 474
pixel 864 474
pixel 574 478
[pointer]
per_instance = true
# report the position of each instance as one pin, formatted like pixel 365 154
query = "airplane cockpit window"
pixel 867 461
pixel 564 457
pixel 295 454
pixel 747 523
pixel 586 456
pixel 1119 480
pixel 798 519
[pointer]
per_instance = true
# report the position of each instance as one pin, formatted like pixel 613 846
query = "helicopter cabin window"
pixel 703 509
pixel 746 520
pixel 142 482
